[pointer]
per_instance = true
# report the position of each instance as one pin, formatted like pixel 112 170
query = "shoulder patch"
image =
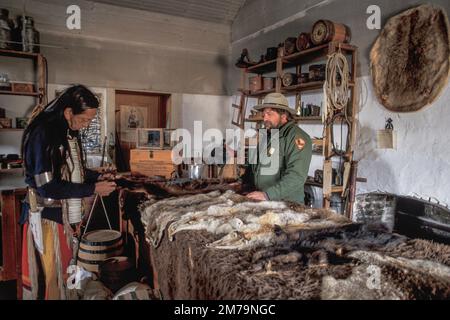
pixel 300 143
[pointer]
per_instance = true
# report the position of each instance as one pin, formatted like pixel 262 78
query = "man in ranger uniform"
pixel 289 150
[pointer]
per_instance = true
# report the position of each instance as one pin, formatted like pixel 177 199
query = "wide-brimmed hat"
pixel 275 101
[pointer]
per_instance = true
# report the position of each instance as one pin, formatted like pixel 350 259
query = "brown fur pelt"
pixel 410 59
pixel 325 264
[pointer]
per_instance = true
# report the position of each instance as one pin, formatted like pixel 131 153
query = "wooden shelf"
pixel 318 54
pixel 304 57
pixel 337 189
pixel 255 94
pixel 308 119
pixel 265 67
pixel 18 54
pixel 15 170
pixel 32 94
pixel 314 54
pixel 334 189
pixel 303 87
pixel 11 129
pixel 308 86
pixel 298 119
pixel 308 55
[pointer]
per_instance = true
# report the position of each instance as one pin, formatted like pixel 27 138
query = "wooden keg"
pixel 290 46
pixel 255 83
pixel 289 79
pixel 303 41
pixel 117 272
pixel 268 83
pixel 325 31
pixel 98 245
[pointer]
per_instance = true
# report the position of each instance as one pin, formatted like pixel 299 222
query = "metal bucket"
pixel 198 171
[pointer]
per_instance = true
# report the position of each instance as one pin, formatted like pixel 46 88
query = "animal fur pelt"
pixel 156 215
pixel 242 224
pixel 332 263
pixel 169 188
pixel 410 59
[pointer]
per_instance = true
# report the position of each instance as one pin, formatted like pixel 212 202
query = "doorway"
pixel 136 110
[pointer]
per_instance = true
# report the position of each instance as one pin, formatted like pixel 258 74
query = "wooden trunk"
pixel 152 162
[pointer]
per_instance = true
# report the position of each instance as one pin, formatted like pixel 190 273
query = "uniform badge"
pixel 300 143
pixel 271 151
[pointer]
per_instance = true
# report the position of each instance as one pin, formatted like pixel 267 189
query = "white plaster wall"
pixel 421 162
pixel 213 111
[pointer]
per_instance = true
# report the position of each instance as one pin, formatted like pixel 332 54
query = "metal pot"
pixel 197 171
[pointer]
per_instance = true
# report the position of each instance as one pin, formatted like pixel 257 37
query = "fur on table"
pixel 202 251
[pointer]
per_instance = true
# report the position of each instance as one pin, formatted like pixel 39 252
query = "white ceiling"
pixel 219 11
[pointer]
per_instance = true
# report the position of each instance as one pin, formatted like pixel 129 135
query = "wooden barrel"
pixel 255 83
pixel 324 31
pixel 303 41
pixel 268 83
pixel 98 245
pixel 290 46
pixel 116 272
pixel 289 79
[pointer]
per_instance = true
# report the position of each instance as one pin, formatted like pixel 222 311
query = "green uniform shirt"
pixel 294 158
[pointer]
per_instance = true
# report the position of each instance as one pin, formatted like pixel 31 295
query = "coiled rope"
pixel 337 82
pixel 336 93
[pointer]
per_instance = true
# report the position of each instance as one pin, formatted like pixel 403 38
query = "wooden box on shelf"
pixel 22 87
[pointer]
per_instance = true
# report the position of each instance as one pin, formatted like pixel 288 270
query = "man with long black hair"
pixel 57 183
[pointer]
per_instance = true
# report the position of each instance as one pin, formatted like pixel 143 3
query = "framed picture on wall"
pixel 132 118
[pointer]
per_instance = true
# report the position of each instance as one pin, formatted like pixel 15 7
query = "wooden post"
pixel 327 181
pixel 279 70
pixel 352 193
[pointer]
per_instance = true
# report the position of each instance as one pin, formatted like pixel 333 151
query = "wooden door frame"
pixel 162 103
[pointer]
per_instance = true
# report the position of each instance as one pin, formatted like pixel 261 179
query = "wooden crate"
pixel 21 87
pixel 152 162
